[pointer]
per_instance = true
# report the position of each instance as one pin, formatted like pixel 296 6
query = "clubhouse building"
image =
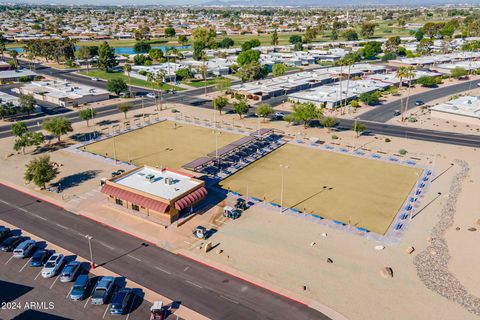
pixel 161 193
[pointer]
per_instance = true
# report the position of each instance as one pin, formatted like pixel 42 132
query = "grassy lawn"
pixel 162 144
pixel 367 192
pixel 134 81
pixel 201 83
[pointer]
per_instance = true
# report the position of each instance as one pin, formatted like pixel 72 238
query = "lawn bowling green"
pixel 363 192
pixel 166 144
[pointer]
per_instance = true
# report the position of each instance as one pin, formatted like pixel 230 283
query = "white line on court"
pixel 233 301
pixel 194 284
pixel 105 313
pixel 163 270
pixel 28 261
pixel 51 286
pixel 9 259
pixel 39 272
pixel 134 258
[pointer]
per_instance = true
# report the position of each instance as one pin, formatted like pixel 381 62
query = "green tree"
pixel 18 129
pixel 203 38
pixel 84 53
pixel 253 43
pixel 306 112
pixel 350 34
pixel 14 55
pixel 310 34
pixel 367 29
pixel 458 73
pixel 264 110
pixel 419 34
pixel 371 49
pixel 141 47
pixel 252 71
pixel 170 32
pixel 427 81
pixel 57 126
pixel 278 69
pixel 124 108
pixel 106 57
pixel 328 122
pixel 27 140
pixel 424 46
pixel 223 84
pixel 274 41
pixel 369 98
pixel 156 54
pixel 219 103
pixel 117 85
pixel 182 39
pixel 226 43
pixel 359 127
pixel 240 108
pixel 295 39
pixel 41 171
pixel 87 114
pixel 27 103
pixel 247 57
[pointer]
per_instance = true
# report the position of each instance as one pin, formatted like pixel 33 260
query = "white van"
pixel 24 249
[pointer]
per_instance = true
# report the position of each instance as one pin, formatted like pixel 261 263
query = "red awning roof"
pixel 134 198
pixel 190 199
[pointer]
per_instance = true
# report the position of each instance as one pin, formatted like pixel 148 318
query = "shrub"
pixel 402 152
pixel 387 140
pixel 334 137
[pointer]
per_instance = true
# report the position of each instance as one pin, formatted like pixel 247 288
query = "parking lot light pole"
pixel 282 168
pixel 92 264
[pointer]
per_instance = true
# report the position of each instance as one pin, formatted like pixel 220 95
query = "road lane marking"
pixel 105 313
pixel 226 298
pixel 9 259
pixel 106 245
pixel 38 274
pixel 39 217
pixel 28 261
pixel 51 286
pixel 186 268
pixel 62 226
pixel 163 270
pixel 134 258
pixel 194 284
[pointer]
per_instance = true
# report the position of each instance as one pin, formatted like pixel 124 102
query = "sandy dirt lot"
pixel 363 192
pixel 166 144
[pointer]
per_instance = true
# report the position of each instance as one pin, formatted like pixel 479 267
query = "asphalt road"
pixel 203 289
pixel 385 112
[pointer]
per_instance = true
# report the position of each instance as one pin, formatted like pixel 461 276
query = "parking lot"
pixel 25 294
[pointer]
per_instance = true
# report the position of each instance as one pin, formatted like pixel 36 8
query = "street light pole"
pixel 282 168
pixel 90 248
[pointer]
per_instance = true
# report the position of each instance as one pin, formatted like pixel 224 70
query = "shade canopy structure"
pixel 190 199
pixel 135 198
pixel 198 163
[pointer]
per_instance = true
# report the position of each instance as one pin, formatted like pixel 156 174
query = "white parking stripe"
pixel 51 286
pixel 69 291
pixel 9 259
pixel 86 302
pixel 131 306
pixel 105 313
pixel 163 270
pixel 25 265
pixel 38 274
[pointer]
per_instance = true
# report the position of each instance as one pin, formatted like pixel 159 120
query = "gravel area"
pixel 432 263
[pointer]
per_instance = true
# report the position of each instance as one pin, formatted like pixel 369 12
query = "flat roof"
pixel 157 186
pixel 468 106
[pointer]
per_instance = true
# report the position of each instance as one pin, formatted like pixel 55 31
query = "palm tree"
pixel 128 68
pixel 2 49
pixel 176 55
pixel 405 73
pixel 157 80
pixel 204 69
pixel 14 55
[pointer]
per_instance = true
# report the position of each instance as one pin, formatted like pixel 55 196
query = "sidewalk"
pixel 150 295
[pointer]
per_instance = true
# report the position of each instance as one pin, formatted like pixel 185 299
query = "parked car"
pixel 279 115
pixel 4 233
pixel 11 243
pixel 53 265
pixel 151 95
pixel 79 289
pixel 40 257
pixel 24 249
pixel 478 84
pixel 397 113
pixel 419 103
pixel 241 204
pixel 121 300
pixel 232 213
pixel 102 290
pixel 70 271
pixel 157 311
pixel 94 79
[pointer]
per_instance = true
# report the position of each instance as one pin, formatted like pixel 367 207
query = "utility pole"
pixel 89 238
pixel 282 168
